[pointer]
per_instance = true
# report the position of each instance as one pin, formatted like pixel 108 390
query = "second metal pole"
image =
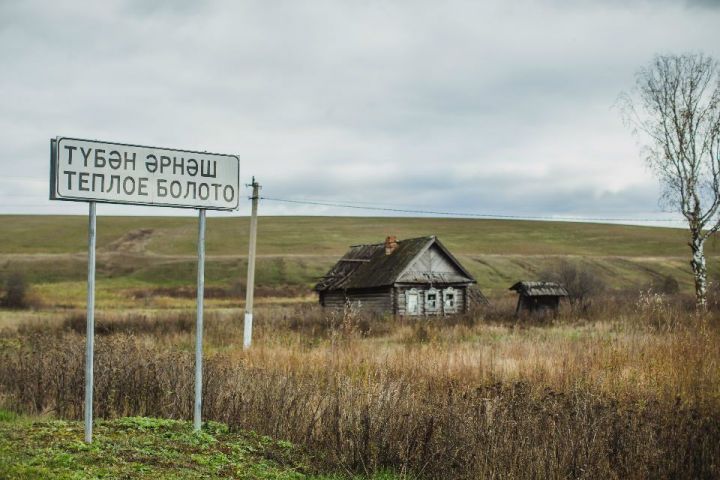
pixel 197 416
pixel 90 330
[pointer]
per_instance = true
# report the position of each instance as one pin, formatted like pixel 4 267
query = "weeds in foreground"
pixel 611 397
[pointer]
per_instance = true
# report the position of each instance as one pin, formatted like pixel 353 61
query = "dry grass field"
pixel 624 391
pixel 627 387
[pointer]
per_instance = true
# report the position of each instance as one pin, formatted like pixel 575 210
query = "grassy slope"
pixel 331 235
pixel 298 250
pixel 143 448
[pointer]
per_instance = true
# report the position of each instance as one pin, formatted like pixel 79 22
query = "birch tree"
pixel 675 111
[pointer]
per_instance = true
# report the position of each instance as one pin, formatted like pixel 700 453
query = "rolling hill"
pixel 148 252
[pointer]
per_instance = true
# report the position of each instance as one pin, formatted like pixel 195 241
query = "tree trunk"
pixel 699 271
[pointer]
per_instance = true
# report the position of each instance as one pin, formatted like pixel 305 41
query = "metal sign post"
pixel 197 416
pixel 90 342
pixel 96 171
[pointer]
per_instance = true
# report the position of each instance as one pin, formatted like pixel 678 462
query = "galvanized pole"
pixel 247 337
pixel 90 331
pixel 197 417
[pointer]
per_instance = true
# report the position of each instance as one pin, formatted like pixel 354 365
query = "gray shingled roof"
pixel 540 289
pixel 366 266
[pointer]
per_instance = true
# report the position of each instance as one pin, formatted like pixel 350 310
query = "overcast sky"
pixel 487 107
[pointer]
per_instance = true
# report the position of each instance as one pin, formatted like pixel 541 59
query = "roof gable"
pixel 365 266
pixel 434 265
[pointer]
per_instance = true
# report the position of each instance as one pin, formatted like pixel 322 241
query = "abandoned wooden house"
pixel 539 296
pixel 417 276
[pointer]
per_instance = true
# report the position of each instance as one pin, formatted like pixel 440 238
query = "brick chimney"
pixel 390 244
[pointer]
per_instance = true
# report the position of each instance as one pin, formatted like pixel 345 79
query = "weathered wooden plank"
pixel 371 300
pixel 460 301
pixel 395 300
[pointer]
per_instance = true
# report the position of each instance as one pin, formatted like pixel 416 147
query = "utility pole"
pixel 247 337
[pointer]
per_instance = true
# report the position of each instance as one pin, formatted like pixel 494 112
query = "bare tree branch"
pixel 675 109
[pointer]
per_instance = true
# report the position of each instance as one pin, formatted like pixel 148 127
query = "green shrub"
pixel 15 295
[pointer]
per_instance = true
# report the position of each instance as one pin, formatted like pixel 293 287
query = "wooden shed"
pixel 417 276
pixel 539 296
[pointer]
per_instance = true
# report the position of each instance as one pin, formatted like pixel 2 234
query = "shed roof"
pixel 540 289
pixel 366 266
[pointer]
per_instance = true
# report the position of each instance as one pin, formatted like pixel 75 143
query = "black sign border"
pixel 54 178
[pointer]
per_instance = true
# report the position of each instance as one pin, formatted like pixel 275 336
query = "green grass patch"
pixel 7 416
pixel 144 448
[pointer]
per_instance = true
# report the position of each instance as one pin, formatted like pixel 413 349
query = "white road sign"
pixel 95 171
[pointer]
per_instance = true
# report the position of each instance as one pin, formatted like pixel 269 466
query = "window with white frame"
pixel 432 302
pixel 411 302
pixel 449 300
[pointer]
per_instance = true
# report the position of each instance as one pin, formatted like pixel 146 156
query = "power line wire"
pixel 357 206
pixel 354 205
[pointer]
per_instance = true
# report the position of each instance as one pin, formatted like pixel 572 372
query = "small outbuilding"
pixel 417 276
pixel 539 296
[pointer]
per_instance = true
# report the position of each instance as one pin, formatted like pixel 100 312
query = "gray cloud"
pixel 467 106
pixel 703 3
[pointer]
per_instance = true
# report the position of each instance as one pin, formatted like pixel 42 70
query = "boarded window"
pixel 449 300
pixel 411 302
pixel 431 301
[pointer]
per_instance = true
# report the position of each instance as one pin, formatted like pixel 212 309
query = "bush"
pixel 15 292
pixel 582 284
pixel 135 324
pixel 667 285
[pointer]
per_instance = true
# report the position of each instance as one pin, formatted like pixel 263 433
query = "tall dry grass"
pixel 631 391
